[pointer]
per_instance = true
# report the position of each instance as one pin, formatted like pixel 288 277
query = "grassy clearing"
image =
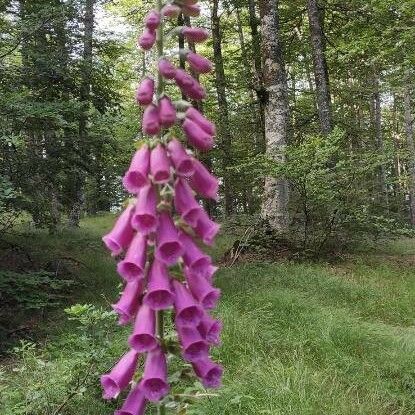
pixel 299 338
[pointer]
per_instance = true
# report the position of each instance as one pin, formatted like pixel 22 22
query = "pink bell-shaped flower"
pixel 203 182
pixel 151 122
pixel 199 63
pixel 193 345
pixel 197 136
pixel 206 228
pixel 195 34
pixel 159 294
pixel 207 295
pixel 185 203
pixel 210 329
pixel 188 310
pixel 167 112
pixel 192 10
pixel 121 234
pixel 210 373
pixel 147 39
pixel 182 162
pixel 166 68
pixel 169 248
pixel 143 338
pixel 137 175
pixel 170 10
pixel 132 266
pixel 193 257
pixel 183 79
pixel 135 404
pixel 145 214
pixel 194 115
pixel 154 384
pixel 120 376
pixel 129 302
pixel 152 21
pixel 160 165
pixel 145 91
pixel 196 92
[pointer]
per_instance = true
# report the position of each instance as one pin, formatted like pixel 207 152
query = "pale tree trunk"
pixel 318 46
pixel 85 97
pixel 377 124
pixel 258 82
pixel 276 192
pixel 223 125
pixel 409 129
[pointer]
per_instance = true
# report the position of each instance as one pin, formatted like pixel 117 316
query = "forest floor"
pixel 299 338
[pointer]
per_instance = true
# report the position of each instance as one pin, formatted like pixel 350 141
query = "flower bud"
pixel 147 39
pixel 151 122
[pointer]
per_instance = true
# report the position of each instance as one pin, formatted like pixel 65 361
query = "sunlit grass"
pixel 299 338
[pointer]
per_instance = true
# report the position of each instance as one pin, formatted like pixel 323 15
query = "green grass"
pixel 299 338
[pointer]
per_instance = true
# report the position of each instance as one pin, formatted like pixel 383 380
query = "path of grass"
pixel 299 338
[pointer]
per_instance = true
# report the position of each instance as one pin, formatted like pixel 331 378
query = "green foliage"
pixel 32 291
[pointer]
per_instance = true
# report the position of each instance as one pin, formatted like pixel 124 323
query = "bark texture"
pixel 223 125
pixel 409 129
pixel 276 195
pixel 318 46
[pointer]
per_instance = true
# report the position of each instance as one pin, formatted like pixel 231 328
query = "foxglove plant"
pixel 163 228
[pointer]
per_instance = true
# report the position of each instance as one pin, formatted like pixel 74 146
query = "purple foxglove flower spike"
pixel 154 384
pixel 193 257
pixel 194 115
pixel 197 136
pixel 121 234
pixel 167 112
pixel 210 329
pixel 152 21
pixel 206 228
pixel 143 338
pixel 185 203
pixel 129 302
pixel 135 404
pixel 195 34
pixel 169 248
pixel 160 165
pixel 151 122
pixel 194 347
pixel 199 63
pixel 192 10
pixel 137 175
pixel 120 376
pixel 210 373
pixel 170 10
pixel 159 294
pixel 132 266
pixel 167 69
pixel 188 311
pixel 203 182
pixel 145 214
pixel 201 290
pixel 145 91
pixel 181 160
pixel 147 40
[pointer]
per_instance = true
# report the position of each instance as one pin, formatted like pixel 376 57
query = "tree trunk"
pixel 318 46
pixel 258 81
pixel 275 203
pixel 409 129
pixel 85 97
pixel 223 125
pixel 377 124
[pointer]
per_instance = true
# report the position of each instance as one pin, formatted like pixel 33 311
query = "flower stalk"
pixel 164 226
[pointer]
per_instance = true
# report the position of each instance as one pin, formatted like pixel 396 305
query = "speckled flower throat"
pixel 167 276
